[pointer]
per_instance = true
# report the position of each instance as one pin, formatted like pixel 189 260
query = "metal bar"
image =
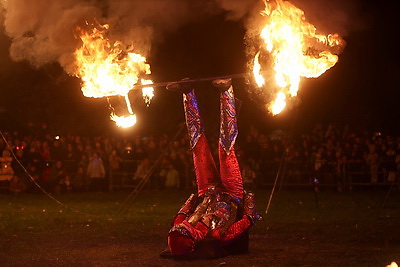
pixel 162 84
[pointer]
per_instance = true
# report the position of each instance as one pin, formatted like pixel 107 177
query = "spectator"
pixel 78 182
pixel 71 159
pixel 6 170
pixel 96 173
pixel 56 177
pixel 248 175
pixel 171 176
pixel 372 160
pixel 17 185
pixel 142 170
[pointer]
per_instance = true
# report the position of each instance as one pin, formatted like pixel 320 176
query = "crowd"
pixel 76 163
pixel 329 154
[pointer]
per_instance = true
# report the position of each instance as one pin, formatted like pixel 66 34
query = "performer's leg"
pixel 231 177
pixel 205 168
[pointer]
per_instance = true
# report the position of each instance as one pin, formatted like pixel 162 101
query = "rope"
pixel 283 159
pixel 386 198
pixel 135 192
pixel 38 185
pixel 275 182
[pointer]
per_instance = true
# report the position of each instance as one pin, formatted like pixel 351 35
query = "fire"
pixel 107 69
pixel 122 121
pixel 296 49
pixel 147 92
pixel 278 104
pixel 257 71
pixel 393 264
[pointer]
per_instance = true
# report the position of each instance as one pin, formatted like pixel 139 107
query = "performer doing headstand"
pixel 221 210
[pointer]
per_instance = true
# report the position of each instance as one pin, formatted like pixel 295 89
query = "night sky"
pixel 362 90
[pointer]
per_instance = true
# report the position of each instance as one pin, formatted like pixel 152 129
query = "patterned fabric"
pixel 216 214
pixel 204 166
pixel 218 210
pixel 228 126
pixel 193 120
pixel 234 231
pixel 181 229
pixel 231 177
pixel 189 205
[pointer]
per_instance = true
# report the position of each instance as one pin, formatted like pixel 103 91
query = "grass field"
pixel 344 229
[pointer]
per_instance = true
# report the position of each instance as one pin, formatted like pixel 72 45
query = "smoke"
pixel 44 31
pixel 339 16
pixel 237 9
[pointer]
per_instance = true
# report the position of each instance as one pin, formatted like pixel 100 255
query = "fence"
pixel 292 173
pixel 302 173
pixel 123 178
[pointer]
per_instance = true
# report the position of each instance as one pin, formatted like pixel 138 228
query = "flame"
pixel 257 71
pixel 296 49
pixel 278 104
pixel 107 69
pixel 393 264
pixel 124 121
pixel 147 92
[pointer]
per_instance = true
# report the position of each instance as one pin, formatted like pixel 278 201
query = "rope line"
pixel 135 192
pixel 38 185
pixel 283 159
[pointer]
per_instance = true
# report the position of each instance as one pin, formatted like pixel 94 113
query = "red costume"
pixel 221 210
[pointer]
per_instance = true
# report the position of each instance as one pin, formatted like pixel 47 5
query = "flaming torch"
pixel 295 48
pixel 107 69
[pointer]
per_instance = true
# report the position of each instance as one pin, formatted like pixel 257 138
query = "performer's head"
pixel 180 244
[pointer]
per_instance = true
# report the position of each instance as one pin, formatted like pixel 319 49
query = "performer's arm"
pixel 234 230
pixel 249 218
pixel 186 210
pixel 179 219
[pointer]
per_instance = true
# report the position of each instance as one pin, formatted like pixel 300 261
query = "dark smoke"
pixel 44 31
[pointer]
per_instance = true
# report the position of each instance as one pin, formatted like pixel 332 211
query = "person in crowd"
pixel 248 174
pixel 79 181
pixel 56 177
pixel 96 173
pixel 171 176
pixel 6 170
pixel 142 171
pixel 71 159
pixel 372 159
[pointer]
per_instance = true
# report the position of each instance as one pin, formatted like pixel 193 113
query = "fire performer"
pixel 215 221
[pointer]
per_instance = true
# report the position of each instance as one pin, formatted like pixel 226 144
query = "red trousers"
pixel 229 178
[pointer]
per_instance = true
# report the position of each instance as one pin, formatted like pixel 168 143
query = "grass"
pixel 348 229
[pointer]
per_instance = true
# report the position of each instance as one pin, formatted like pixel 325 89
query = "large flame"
pixel 296 49
pixel 107 69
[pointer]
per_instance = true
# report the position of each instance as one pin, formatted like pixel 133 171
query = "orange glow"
pixel 278 104
pixel 256 71
pixel 297 50
pixel 107 69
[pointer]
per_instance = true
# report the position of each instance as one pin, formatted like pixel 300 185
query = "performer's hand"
pixel 249 208
pixel 189 205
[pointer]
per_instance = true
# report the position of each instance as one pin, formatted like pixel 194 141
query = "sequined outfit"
pixel 217 209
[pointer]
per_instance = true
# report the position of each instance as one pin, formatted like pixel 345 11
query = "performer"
pixel 221 211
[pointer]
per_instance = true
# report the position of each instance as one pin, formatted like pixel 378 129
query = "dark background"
pixel 362 90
